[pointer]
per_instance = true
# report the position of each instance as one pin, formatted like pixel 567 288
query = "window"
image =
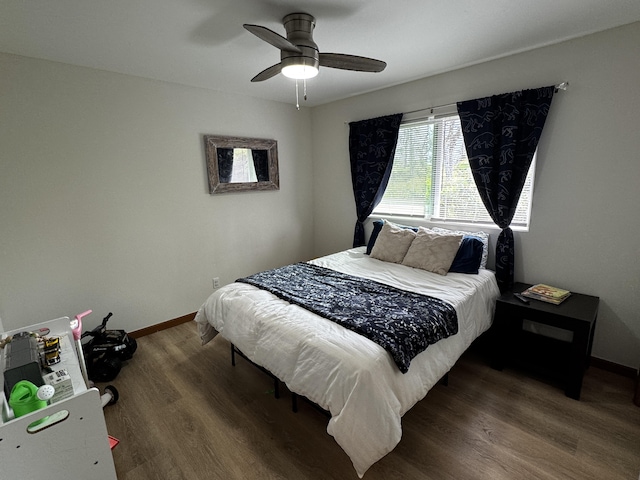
pixel 431 177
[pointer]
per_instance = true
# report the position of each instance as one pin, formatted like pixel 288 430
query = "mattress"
pixel 348 375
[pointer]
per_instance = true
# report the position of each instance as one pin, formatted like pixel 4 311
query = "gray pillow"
pixel 392 243
pixel 432 251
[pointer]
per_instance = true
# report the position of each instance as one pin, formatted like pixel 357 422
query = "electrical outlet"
pixel 216 282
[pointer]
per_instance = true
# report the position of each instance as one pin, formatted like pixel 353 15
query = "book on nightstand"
pixel 547 293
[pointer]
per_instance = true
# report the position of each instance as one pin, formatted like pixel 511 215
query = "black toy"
pixel 106 351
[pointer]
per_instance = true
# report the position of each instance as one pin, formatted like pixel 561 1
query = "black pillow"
pixel 469 256
pixel 377 226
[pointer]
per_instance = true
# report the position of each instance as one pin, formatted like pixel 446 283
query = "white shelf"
pixel 74 443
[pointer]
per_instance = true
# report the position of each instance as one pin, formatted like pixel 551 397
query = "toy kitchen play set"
pixel 52 424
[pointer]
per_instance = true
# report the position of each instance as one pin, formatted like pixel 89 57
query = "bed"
pixel 356 380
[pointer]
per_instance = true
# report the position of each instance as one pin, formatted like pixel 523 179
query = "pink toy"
pixel 76 328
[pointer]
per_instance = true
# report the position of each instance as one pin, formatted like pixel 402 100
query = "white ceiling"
pixel 202 43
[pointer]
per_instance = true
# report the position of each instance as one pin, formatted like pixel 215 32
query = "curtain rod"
pixel 559 86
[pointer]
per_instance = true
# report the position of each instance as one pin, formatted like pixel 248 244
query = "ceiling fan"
pixel 299 55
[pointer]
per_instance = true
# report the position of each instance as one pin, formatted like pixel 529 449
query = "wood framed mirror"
pixel 236 164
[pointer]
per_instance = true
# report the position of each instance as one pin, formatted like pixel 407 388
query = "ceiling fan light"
pixel 300 72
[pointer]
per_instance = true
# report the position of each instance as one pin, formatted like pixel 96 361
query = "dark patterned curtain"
pixel 225 164
pixel 372 144
pixel 501 134
pixel 261 164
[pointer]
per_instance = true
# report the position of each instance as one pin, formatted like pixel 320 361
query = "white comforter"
pixel 343 372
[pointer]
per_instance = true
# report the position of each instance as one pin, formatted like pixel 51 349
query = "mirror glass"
pixel 238 163
pixel 242 165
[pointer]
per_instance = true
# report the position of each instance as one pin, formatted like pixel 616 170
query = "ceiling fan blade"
pixel 267 73
pixel 351 62
pixel 272 37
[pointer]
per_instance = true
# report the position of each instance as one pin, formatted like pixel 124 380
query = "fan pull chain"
pixel 297 99
pixel 304 92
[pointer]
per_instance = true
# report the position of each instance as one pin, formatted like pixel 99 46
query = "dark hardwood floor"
pixel 185 413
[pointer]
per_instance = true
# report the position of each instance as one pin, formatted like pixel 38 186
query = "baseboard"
pixel 162 326
pixel 613 367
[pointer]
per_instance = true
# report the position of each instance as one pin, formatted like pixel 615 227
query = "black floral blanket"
pixel 403 323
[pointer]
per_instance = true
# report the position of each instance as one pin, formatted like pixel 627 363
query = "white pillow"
pixel 392 243
pixel 481 235
pixel 432 251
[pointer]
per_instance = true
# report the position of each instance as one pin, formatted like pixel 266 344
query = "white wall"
pixel 584 231
pixel 104 201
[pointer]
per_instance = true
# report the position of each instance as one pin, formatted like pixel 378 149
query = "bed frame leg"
pixel 294 402
pixel 445 380
pixel 276 382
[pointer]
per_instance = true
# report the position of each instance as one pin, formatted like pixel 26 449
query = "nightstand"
pixel 577 314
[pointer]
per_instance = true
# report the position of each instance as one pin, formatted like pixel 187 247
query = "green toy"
pixel 24 398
